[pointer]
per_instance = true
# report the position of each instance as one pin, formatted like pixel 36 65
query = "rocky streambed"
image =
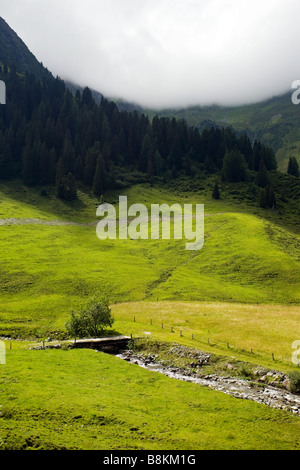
pixel 268 387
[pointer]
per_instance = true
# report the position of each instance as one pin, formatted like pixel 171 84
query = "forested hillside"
pixel 49 136
pixel 274 122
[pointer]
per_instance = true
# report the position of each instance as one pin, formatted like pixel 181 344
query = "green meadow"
pixel 87 400
pixel 238 296
pixel 250 332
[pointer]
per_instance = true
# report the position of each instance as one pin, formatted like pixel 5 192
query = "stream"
pixel 239 388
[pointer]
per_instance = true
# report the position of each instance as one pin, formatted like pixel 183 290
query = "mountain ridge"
pixel 15 53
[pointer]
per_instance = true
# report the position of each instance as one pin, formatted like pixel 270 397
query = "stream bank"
pixel 268 387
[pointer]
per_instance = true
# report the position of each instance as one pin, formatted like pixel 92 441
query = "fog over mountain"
pixel 165 53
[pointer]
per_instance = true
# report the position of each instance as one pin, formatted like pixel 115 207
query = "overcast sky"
pixel 165 53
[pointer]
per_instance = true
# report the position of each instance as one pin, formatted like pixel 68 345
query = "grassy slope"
pixel 47 270
pixel 87 400
pixel 274 122
pixel 250 332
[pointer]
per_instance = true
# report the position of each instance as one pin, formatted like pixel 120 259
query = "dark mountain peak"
pixel 14 52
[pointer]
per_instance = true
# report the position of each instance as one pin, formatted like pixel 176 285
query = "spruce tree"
pixel 6 163
pixel 263 198
pixel 216 191
pixel 99 183
pixel 234 166
pixel 262 175
pixel 270 197
pixel 293 167
pixel 59 179
pixel 70 188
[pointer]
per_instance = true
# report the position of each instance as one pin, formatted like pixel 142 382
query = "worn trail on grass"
pixel 29 221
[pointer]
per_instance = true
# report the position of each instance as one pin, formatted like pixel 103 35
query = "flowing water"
pixel 238 388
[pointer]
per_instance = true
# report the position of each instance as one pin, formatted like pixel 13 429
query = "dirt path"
pixel 31 221
pixel 21 221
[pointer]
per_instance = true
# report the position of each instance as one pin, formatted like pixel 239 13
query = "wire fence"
pixel 217 343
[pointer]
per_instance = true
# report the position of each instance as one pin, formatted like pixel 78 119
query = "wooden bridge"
pixel 112 344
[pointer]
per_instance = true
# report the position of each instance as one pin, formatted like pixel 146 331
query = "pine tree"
pixel 234 166
pixel 99 183
pixel 293 167
pixel 269 158
pixel 267 198
pixel 216 191
pixel 6 163
pixel 147 153
pixel 262 175
pixel 263 199
pixel 70 188
pixel 68 155
pixel 90 167
pixel 270 197
pixel 256 156
pixel 59 179
pixel 30 164
pixel 47 166
pixel 79 167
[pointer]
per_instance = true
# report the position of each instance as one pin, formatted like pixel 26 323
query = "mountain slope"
pixel 274 122
pixel 13 52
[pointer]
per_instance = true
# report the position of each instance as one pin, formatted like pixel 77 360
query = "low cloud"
pixel 165 53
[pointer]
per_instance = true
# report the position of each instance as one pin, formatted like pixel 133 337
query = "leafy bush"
pixel 294 378
pixel 91 320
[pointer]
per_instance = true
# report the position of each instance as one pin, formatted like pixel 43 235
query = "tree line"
pixel 50 136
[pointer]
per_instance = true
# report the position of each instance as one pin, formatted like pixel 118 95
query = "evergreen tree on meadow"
pixel 216 191
pixel 70 188
pixel 66 187
pixel 267 198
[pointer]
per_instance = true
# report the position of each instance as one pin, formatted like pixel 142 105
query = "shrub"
pixel 294 378
pixel 91 320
